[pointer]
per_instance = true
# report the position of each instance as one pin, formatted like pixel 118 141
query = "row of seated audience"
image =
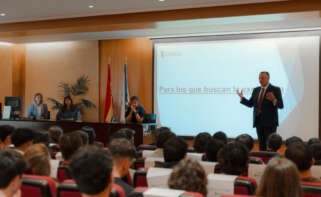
pixel 95 169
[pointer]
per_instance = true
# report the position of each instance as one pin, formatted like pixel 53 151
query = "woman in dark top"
pixel 135 112
pixel 68 111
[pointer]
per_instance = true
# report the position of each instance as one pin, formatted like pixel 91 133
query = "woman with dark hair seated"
pixel 280 179
pixel 233 159
pixel 38 110
pixel 68 111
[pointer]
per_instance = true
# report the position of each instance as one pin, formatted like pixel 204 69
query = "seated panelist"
pixel 135 112
pixel 68 111
pixel 38 110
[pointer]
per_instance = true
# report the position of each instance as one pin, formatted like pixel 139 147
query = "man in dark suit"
pixel 266 99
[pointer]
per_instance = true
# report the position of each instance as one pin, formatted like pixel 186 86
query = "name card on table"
pixel 219 184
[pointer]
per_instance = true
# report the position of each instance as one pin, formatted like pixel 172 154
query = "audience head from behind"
pixel 92 169
pixel 201 141
pixel 91 134
pixel 163 136
pixel 233 159
pixel 22 139
pixel 246 140
pixel 313 140
pixel 212 148
pixel 174 150
pixel 292 140
pixel 274 142
pixel 41 137
pixel 220 135
pixel 69 143
pixel 123 152
pixel 12 165
pixel 190 176
pixel 5 135
pixel 157 131
pixel 280 179
pixel 316 153
pixel 55 132
pixel 38 158
pixel 126 133
pixel 301 155
pixel 84 137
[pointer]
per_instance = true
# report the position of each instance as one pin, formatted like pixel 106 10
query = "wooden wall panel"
pixel 139 54
pixel 6 54
pixel 19 71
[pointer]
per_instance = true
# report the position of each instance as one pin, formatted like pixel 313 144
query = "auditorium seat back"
pixel 63 171
pixel 146 147
pixel 256 160
pixel 195 156
pixel 264 155
pixel 311 189
pixel 245 185
pixel 38 186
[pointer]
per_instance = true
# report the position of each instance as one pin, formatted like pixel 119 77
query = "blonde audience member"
pixel 38 158
pixel 280 179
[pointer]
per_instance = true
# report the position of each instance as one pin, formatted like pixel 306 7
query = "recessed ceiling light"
pixel 2 14
pixel 161 0
pixel 91 6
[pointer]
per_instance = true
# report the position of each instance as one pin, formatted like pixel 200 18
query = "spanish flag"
pixel 109 99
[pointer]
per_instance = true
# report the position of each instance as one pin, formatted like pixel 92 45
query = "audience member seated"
pixel 212 148
pixel 123 152
pixel 22 139
pixel 201 141
pixel 233 159
pixel 68 111
pixel 38 159
pixel 69 143
pixel 292 140
pixel 92 169
pixel 41 137
pixel 91 134
pixel 55 132
pixel 5 135
pixel 301 155
pixel 175 150
pixel 316 153
pixel 220 135
pixel 135 112
pixel 84 137
pixel 190 176
pixel 12 165
pixel 156 132
pixel 246 140
pixel 162 138
pixel 313 140
pixel 38 110
pixel 280 179
pixel 126 133
pixel 274 142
